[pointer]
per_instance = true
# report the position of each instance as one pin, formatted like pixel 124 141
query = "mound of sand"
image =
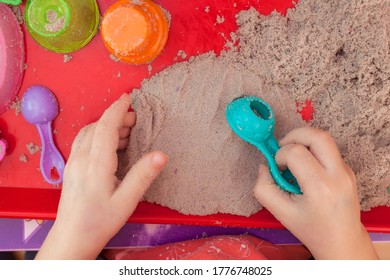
pixel 335 53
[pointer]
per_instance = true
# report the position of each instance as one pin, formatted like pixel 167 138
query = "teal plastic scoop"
pixel 253 120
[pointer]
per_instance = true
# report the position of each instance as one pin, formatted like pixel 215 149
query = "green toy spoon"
pixel 252 119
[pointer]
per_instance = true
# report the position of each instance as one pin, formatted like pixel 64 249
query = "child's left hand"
pixel 94 204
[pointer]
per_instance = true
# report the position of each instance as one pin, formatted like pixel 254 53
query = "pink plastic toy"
pixel 11 56
pixel 3 149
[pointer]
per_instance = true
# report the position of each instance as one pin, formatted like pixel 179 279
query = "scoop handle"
pixel 285 179
pixel 50 156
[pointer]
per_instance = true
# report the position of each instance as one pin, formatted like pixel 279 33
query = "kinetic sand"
pixel 335 53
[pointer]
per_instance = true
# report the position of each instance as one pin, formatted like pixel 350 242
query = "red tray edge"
pixel 16 203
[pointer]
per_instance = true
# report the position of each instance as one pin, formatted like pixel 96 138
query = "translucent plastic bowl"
pixel 135 32
pixel 62 26
pixel 11 56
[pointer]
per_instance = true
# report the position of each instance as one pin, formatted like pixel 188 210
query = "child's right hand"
pixel 326 217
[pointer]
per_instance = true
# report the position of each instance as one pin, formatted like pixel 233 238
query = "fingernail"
pixel 159 159
pixel 125 96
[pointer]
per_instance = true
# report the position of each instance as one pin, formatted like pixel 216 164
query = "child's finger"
pixel 83 140
pixel 270 195
pixel 129 119
pixel 106 136
pixel 302 164
pixel 320 143
pixel 124 132
pixel 139 179
pixel 123 143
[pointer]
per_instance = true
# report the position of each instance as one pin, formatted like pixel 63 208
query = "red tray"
pixel 91 81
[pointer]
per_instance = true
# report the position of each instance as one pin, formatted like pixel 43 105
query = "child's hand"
pixel 94 204
pixel 326 218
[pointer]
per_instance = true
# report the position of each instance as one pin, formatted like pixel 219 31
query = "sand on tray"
pixel 335 53
pixel 181 111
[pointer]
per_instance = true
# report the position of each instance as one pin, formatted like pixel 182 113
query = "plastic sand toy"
pixel 40 108
pixel 62 26
pixel 12 53
pixel 3 148
pixel 253 120
pixel 11 2
pixel 135 31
